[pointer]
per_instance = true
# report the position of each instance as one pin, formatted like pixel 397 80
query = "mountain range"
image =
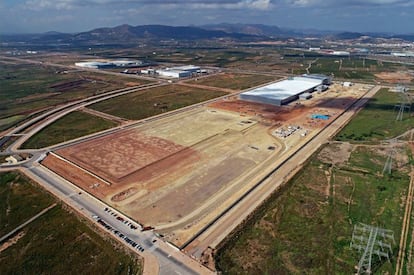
pixel 240 32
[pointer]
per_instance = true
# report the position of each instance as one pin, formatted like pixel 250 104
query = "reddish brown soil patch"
pixel 265 111
pixel 118 155
pixel 147 160
pixel 76 175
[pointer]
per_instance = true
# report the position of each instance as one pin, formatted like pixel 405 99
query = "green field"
pixel 27 88
pixel 235 81
pixel 211 57
pixel 342 67
pixel 154 101
pixel 377 121
pixel 9 121
pixel 19 200
pixel 71 126
pixel 352 68
pixel 56 243
pixel 307 227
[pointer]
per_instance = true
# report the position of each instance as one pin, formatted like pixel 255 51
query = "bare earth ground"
pixel 396 77
pixel 179 172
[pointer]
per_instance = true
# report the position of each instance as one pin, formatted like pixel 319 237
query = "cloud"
pixel 205 4
pixel 213 4
pixel 38 5
pixel 347 3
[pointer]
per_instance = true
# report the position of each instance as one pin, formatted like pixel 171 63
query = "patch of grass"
pixel 377 121
pixel 19 200
pixel 154 101
pixel 71 126
pixel 307 228
pixel 351 68
pixel 235 81
pixel 9 121
pixel 57 242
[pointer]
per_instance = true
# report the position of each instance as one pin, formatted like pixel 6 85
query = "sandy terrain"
pixel 179 172
pixel 396 77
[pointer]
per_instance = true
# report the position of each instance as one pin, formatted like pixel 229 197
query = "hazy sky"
pixel 81 15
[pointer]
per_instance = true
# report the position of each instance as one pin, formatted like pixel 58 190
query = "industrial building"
pixel 326 80
pixel 174 72
pixel 94 65
pixel 110 64
pixel 187 68
pixel 285 91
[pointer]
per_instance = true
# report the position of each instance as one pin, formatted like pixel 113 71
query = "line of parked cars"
pixel 119 234
pixel 120 218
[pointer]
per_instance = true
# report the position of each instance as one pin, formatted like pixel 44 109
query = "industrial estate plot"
pixel 179 172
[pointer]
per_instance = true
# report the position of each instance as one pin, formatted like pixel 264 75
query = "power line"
pixel 371 241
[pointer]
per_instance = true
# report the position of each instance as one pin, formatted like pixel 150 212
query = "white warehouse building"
pixel 283 92
pixel 178 72
pixel 93 64
pixel 173 73
pixel 109 64
pixel 187 68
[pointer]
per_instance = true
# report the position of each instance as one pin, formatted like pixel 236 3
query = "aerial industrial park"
pixel 217 153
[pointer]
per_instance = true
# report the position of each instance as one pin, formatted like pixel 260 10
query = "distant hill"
pixel 347 35
pixel 127 34
pixel 251 29
pixel 407 37
pixel 157 32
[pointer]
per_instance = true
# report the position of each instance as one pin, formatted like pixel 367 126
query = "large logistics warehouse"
pixel 174 73
pixel 284 91
pixel 179 72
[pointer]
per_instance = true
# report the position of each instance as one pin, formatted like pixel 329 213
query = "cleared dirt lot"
pixel 396 77
pixel 179 172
